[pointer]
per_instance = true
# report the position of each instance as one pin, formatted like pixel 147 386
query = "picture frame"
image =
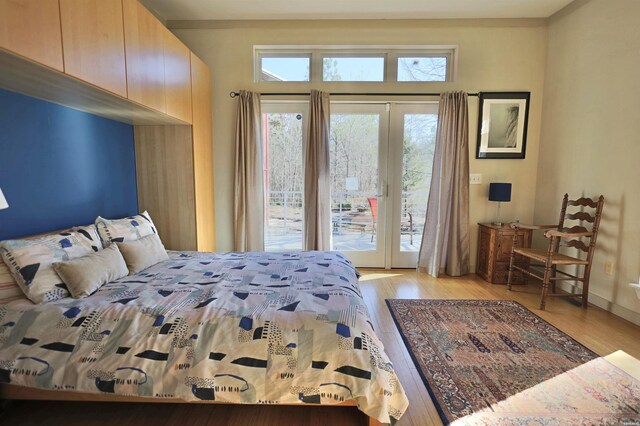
pixel 502 125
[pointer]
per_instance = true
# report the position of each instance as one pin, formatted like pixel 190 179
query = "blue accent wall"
pixel 60 167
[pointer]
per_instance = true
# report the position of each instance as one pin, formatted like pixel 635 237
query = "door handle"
pixel 384 191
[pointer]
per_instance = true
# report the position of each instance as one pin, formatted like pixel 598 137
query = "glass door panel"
pixel 413 136
pixel 283 128
pixel 358 148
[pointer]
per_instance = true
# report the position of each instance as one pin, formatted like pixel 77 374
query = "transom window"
pixel 355 64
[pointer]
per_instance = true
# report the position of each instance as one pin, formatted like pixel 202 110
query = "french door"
pixel 381 156
pixel 411 148
pixel 358 158
pixel 381 159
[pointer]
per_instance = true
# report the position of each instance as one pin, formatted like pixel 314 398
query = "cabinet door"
pixel 93 41
pixel 31 28
pixel 144 47
pixel 484 255
pixel 505 243
pixel 177 77
pixel 203 154
pixel 164 172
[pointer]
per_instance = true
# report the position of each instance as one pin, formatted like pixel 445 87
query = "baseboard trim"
pixel 607 305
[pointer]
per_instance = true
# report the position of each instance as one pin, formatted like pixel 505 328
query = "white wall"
pixel 494 55
pixel 591 135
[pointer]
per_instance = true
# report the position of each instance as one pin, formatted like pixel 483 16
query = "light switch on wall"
pixel 608 267
pixel 475 178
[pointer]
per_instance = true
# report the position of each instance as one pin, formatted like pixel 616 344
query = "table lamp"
pixel 3 201
pixel 500 192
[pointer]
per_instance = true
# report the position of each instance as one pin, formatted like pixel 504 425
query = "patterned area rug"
pixel 497 363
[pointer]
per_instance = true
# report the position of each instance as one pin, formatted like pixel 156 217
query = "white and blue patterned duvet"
pixel 255 328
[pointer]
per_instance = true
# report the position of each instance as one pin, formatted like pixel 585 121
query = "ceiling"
pixel 352 9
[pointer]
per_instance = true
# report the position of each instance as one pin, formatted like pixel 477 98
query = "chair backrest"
pixel 373 206
pixel 584 211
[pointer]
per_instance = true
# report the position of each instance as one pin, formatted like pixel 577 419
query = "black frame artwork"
pixel 508 114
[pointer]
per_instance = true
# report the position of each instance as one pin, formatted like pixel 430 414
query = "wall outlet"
pixel 608 267
pixel 475 178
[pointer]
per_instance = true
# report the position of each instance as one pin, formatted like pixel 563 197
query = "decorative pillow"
pixel 90 232
pixel 31 263
pixel 143 253
pixel 84 275
pixel 127 229
pixel 9 289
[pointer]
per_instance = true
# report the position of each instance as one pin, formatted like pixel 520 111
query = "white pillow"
pixel 31 263
pixel 126 229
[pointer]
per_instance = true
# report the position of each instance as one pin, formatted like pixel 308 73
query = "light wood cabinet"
pixel 203 154
pixel 494 251
pixel 177 77
pixel 31 28
pixel 175 172
pixel 144 46
pixel 165 175
pixel 116 46
pixel 93 41
pixel 120 62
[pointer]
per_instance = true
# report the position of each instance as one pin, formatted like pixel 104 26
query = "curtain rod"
pixel 236 94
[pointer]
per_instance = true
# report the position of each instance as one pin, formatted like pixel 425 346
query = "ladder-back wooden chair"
pixel 577 236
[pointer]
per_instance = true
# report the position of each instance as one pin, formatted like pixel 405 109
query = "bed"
pixel 250 328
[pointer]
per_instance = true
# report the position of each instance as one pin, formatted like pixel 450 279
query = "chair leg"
pixel 585 289
pixel 553 282
pixel 511 260
pixel 545 286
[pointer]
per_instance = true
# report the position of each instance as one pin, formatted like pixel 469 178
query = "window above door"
pixel 404 64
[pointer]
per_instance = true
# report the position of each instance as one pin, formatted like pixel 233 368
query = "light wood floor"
pixel 595 328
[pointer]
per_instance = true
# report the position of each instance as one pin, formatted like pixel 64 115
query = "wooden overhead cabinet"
pixel 93 41
pixel 144 40
pixel 31 28
pixel 115 59
pixel 177 77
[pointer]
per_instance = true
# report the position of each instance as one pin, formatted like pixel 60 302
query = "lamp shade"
pixel 3 201
pixel 500 192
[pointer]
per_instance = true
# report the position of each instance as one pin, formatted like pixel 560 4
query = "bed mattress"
pixel 254 328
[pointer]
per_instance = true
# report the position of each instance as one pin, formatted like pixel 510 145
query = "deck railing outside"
pixel 351 217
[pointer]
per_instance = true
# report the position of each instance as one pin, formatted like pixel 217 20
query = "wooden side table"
pixel 494 252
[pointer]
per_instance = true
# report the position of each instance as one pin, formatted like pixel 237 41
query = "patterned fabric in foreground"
pixel 255 328
pixel 497 363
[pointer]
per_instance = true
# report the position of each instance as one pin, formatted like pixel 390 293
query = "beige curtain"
pixel 445 241
pixel 317 183
pixel 248 209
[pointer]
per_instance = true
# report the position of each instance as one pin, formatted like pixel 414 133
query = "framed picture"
pixel 502 125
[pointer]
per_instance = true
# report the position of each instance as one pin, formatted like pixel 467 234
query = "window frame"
pixel 391 54
pixel 257 77
pixel 449 56
pixel 353 55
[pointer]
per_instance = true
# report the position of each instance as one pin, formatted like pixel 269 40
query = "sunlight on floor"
pixel 370 276
pixel 599 389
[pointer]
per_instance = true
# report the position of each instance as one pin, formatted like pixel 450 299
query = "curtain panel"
pixel 248 208
pixel 445 241
pixel 317 181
